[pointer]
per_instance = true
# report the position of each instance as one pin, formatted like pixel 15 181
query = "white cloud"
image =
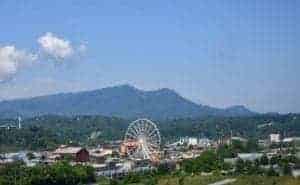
pixel 11 60
pixel 56 47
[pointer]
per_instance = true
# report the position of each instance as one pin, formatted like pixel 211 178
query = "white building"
pixel 291 139
pixel 192 141
pixel 204 142
pixel 296 173
pixel 235 138
pixel 275 138
pixel 249 156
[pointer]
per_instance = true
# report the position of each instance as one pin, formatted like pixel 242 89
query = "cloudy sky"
pixel 219 53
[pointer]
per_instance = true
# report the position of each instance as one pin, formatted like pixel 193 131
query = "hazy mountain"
pixel 122 101
pixel 238 110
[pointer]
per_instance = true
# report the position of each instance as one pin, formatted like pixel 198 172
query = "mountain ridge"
pixel 122 101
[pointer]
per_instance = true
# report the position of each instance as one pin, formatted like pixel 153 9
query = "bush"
pixel 208 161
pixel 58 174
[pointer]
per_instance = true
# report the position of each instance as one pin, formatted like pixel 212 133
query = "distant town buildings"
pixel 112 158
pixel 9 126
pixel 193 141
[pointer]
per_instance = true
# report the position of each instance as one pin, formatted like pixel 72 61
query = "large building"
pixel 77 154
pixel 100 155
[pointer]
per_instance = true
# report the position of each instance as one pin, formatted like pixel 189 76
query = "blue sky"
pixel 219 53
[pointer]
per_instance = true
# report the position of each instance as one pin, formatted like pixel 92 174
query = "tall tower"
pixel 19 122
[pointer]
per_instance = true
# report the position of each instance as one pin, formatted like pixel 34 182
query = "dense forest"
pixel 213 127
pixel 47 132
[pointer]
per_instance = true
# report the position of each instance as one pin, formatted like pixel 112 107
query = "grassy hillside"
pixel 206 180
pixel 240 180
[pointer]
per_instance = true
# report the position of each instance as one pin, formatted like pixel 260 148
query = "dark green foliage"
pixel 251 145
pixel 275 160
pixel 30 155
pixel 30 138
pixel 207 162
pixel 132 178
pixel 165 168
pixel 151 181
pixel 272 172
pixel 57 174
pixel 248 168
pixel 136 178
pixel 239 166
pixel 264 160
pixel 248 127
pixel 231 151
pixel 226 151
pixel 286 163
pixel 47 132
pixel 286 168
pixel 114 182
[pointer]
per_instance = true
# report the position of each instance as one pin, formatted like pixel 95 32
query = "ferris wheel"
pixel 142 140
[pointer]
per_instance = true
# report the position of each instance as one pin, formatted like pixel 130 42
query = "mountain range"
pixel 122 101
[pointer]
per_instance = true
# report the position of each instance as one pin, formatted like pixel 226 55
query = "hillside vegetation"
pixel 49 131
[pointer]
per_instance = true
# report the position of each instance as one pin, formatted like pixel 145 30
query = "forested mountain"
pixel 122 101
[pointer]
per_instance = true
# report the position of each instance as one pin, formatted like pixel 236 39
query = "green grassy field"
pixel 189 180
pixel 241 180
pixel 260 180
pixel 205 180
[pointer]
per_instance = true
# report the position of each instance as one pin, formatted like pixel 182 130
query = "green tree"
pixel 264 160
pixel 286 169
pixel 274 160
pixel 225 151
pixel 239 166
pixel 251 145
pixel 30 156
pixel 208 161
pixel 238 146
pixel 272 172
pixel 131 178
pixel 113 182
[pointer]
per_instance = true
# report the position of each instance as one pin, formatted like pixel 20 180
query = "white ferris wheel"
pixel 143 140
